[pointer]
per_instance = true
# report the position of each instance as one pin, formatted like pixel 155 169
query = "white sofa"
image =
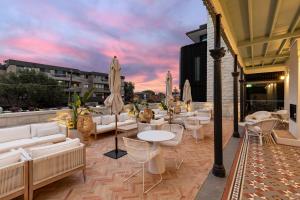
pixel 31 135
pixel 106 123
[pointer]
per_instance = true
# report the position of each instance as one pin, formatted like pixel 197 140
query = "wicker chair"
pixel 141 152
pixel 174 143
pixel 47 169
pixel 261 129
pixel 14 180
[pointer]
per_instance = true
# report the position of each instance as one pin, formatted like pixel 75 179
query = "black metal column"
pixel 217 53
pixel 242 96
pixel 235 75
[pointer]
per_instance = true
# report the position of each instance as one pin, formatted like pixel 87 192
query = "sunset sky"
pixel 146 35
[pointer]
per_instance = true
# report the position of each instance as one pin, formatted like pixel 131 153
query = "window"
pixel 85 86
pixel 197 69
pixel 99 86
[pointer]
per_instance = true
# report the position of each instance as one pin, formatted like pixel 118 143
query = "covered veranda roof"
pixel 259 32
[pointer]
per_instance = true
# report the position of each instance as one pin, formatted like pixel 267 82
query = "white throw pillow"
pixel 47 131
pixel 36 152
pixel 39 126
pixel 108 119
pixel 14 133
pixel 123 117
pixel 10 158
pixel 97 120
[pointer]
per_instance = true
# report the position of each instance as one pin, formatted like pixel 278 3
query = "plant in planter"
pixel 81 115
pixel 78 106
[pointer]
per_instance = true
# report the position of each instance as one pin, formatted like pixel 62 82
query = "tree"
pixel 128 92
pixel 30 89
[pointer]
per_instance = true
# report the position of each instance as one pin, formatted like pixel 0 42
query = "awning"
pixel 259 32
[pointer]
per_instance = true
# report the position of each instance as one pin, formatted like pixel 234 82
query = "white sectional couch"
pixel 31 135
pixel 106 123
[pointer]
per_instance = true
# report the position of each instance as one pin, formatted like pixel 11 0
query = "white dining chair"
pixel 192 125
pixel 141 152
pixel 175 142
pixel 144 127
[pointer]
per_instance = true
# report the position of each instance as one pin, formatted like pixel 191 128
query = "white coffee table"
pixel 156 165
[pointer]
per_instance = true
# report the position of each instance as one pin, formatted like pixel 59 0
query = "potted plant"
pixel 81 115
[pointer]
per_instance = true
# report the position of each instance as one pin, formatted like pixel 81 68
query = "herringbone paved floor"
pixel 104 175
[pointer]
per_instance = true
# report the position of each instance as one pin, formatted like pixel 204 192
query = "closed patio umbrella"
pixel 187 93
pixel 114 102
pixel 169 86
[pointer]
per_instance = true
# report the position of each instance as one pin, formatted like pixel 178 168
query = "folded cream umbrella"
pixel 169 86
pixel 187 92
pixel 114 102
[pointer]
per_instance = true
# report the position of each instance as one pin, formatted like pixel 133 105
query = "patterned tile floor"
pixel 105 175
pixel 271 171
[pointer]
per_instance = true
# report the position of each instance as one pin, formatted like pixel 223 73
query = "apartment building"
pixel 74 80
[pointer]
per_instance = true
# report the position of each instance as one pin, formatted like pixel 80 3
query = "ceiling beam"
pixel 273 23
pixel 260 40
pixel 250 26
pixel 261 58
pixel 265 69
pixel 292 29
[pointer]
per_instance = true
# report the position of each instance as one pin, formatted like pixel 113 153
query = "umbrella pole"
pixel 116 134
pixel 116 153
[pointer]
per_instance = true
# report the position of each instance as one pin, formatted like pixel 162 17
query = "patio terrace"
pixel 105 175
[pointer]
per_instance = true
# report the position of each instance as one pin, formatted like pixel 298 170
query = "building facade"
pixel 197 65
pixel 73 79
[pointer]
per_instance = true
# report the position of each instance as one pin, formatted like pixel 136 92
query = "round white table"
pixel 156 165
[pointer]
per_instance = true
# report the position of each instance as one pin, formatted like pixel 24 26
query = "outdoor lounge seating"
pixel 261 129
pixel 106 123
pixel 13 175
pixel 31 135
pixel 53 162
pixel 174 143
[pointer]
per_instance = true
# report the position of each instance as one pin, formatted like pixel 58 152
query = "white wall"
pixel 294 89
pixel 227 69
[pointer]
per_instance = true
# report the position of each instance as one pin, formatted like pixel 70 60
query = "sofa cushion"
pixel 48 125
pixel 36 152
pixel 9 158
pixel 108 119
pixel 105 128
pixel 6 146
pixel 47 131
pixel 14 133
pixel 97 120
pixel 50 139
pixel 123 117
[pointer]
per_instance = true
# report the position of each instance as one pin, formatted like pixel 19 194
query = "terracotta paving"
pixel 270 172
pixel 105 175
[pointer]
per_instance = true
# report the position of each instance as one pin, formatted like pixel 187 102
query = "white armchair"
pixel 192 125
pixel 261 129
pixel 13 175
pixel 53 162
pixel 141 152
pixel 174 143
